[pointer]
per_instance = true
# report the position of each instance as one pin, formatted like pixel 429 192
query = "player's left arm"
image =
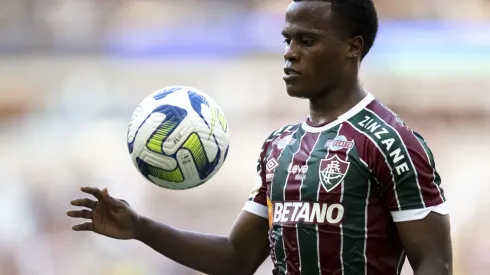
pixel 427 243
pixel 415 198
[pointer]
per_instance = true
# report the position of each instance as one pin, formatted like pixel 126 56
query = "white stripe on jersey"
pixel 366 227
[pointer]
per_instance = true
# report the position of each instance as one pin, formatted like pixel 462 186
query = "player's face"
pixel 315 53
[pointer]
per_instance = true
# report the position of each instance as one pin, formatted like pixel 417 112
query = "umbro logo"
pixel 271 165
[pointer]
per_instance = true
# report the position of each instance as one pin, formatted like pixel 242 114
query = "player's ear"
pixel 355 47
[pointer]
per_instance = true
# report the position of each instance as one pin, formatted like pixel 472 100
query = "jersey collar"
pixel 350 113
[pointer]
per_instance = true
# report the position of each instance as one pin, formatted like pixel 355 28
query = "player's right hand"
pixel 109 216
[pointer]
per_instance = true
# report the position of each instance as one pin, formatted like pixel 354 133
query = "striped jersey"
pixel 332 194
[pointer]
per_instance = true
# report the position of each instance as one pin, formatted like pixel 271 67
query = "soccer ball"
pixel 178 138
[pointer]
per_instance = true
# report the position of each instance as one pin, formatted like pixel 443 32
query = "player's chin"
pixel 295 90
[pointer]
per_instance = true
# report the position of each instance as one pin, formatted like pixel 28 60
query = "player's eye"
pixel 287 41
pixel 307 42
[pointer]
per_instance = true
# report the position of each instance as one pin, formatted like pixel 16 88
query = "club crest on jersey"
pixel 339 142
pixel 281 143
pixel 332 172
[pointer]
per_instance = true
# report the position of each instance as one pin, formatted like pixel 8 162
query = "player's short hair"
pixel 357 17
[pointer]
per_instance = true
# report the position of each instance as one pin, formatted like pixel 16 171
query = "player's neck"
pixel 334 103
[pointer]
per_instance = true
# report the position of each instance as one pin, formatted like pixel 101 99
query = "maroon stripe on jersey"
pixel 382 242
pixel 276 150
pixel 261 197
pixel 274 154
pixel 383 246
pixel 425 171
pixel 292 192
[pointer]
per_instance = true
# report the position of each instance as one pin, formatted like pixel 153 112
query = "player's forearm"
pixel 207 253
pixel 433 268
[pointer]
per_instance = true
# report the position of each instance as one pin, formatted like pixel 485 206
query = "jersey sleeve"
pixel 257 202
pixel 406 173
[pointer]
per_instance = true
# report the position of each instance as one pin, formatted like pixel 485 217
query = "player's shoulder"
pixel 279 134
pixel 384 127
pixel 283 131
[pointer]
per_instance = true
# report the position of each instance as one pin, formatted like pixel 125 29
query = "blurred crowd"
pixel 63 120
pixel 90 23
pixel 147 10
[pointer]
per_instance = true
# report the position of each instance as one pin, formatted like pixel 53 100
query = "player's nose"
pixel 291 52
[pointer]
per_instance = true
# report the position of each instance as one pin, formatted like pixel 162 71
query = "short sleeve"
pixel 409 181
pixel 257 202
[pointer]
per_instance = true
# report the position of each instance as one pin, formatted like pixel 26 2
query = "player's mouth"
pixel 290 73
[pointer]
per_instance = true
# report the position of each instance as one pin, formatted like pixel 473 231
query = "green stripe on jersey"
pixel 278 184
pixel 281 172
pixel 355 199
pixel 307 241
pixel 388 140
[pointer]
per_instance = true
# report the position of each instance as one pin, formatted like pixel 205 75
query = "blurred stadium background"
pixel 73 71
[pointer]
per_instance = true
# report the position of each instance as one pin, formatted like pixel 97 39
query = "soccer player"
pixel 352 190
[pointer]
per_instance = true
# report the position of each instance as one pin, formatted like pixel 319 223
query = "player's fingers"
pixel 112 201
pixel 86 214
pixel 87 226
pixel 93 191
pixel 107 198
pixel 84 203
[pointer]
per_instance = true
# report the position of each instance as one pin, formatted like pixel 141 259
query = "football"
pixel 178 138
